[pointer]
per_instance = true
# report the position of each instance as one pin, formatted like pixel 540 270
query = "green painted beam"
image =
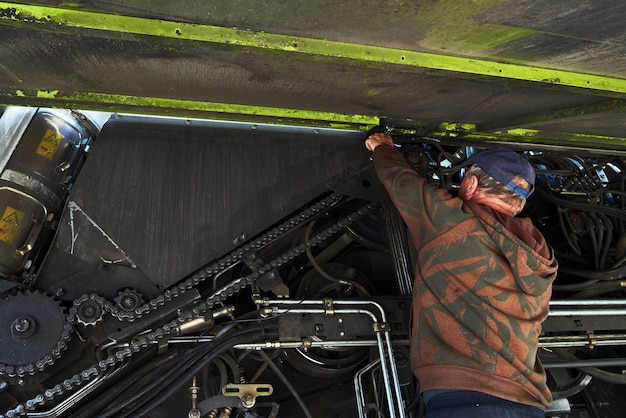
pixel 157 105
pixel 570 112
pixel 538 138
pixel 459 133
pixel 306 46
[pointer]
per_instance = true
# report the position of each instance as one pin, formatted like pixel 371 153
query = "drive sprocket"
pixel 34 331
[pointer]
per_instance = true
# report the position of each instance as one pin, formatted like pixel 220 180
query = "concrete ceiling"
pixel 530 70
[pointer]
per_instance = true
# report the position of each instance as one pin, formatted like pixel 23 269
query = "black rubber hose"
pixel 609 377
pixel 223 375
pixel 600 289
pixel 163 376
pixel 606 275
pixel 232 365
pixel 574 287
pixel 287 383
pixel 307 235
pixel 581 206
pixel 201 358
pixel 566 234
pixel 216 402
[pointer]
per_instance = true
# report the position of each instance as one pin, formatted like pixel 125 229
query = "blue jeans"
pixel 470 404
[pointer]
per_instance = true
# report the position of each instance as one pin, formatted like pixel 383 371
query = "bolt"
pixel 128 302
pixel 21 325
pixel 23 328
pixel 247 400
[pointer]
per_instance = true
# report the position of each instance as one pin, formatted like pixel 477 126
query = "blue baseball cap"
pixel 503 165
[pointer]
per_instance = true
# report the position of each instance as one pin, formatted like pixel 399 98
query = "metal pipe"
pixel 284 344
pixel 398 247
pixel 385 349
pixel 358 386
pixel 576 364
pixel 588 312
pixel 587 302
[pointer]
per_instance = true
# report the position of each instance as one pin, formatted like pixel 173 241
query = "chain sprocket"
pixel 34 333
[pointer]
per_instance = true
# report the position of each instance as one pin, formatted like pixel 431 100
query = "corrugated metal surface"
pixel 177 195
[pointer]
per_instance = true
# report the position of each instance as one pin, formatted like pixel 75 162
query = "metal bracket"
pixel 329 307
pixel 247 392
pixel 381 327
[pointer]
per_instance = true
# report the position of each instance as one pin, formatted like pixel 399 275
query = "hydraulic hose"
pixel 179 372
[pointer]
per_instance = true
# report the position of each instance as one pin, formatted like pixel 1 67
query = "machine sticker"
pixel 10 224
pixel 49 144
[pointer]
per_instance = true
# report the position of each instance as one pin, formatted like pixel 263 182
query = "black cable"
pixel 608 226
pixel 97 407
pixel 136 396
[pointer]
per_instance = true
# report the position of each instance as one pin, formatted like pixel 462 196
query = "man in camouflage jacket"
pixel 482 286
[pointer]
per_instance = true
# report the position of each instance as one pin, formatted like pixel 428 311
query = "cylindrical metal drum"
pixel 41 153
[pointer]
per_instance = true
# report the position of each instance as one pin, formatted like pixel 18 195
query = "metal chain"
pixel 130 315
pixel 144 340
pixel 223 263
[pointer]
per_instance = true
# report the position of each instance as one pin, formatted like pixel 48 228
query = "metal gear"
pixel 128 300
pixel 89 311
pixel 34 332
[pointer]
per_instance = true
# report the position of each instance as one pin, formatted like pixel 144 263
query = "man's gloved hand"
pixel 376 139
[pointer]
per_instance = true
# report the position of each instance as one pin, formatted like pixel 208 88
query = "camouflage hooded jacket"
pixel 482 288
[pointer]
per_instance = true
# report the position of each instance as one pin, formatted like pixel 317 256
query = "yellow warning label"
pixel 49 144
pixel 10 224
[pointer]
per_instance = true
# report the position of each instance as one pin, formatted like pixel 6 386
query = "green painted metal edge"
pixel 538 119
pixel 305 46
pixel 447 130
pixel 539 137
pixel 335 120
